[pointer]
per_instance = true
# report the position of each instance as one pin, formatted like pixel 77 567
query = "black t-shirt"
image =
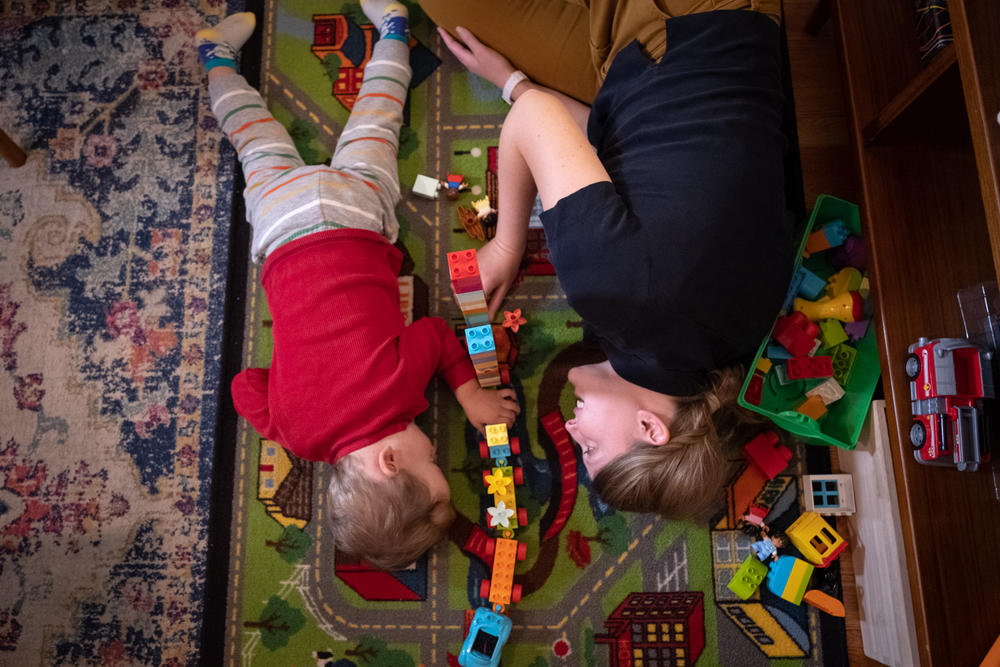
pixel 680 264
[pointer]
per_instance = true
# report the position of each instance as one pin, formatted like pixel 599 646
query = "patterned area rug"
pixel 294 600
pixel 113 260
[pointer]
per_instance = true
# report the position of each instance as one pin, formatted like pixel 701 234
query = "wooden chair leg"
pixel 10 151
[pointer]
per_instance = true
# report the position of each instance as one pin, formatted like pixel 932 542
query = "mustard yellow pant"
pixel 568 45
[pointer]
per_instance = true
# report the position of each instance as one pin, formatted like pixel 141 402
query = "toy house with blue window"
pixel 830 495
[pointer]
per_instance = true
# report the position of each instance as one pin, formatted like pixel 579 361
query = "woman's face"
pixel 605 421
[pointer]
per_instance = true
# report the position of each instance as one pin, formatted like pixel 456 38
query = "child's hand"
pixel 487 406
pixel 477 57
pixel 498 267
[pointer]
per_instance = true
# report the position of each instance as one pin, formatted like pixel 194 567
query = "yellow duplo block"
pixel 764 365
pixel 813 407
pixel 496 434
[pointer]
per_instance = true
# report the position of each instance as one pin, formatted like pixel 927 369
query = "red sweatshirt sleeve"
pixel 249 390
pixel 430 341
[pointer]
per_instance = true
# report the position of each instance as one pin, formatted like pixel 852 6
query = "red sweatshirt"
pixel 345 371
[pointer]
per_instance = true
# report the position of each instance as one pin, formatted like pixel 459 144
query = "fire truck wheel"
pixel 912 367
pixel 918 435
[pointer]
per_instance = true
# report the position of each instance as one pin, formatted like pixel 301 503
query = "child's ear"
pixel 652 428
pixel 388 461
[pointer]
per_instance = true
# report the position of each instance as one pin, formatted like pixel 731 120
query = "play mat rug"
pixel 293 600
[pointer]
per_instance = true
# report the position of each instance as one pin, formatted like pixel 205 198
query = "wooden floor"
pixel 828 167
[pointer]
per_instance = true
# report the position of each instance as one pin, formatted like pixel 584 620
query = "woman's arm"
pixel 494 67
pixel 542 150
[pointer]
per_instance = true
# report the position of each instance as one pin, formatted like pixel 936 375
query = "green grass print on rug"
pixel 292 601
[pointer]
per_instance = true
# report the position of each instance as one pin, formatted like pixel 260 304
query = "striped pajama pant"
pixel 287 199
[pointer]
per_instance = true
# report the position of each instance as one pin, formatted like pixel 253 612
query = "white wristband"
pixel 516 77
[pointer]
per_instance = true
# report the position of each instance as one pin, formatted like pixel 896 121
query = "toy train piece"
pixel 490 628
pixel 501 589
pixel 501 479
pixel 949 380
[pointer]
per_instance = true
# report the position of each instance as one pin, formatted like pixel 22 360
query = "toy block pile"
pixel 463 268
pixel 821 320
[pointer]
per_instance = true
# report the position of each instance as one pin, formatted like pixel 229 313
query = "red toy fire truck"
pixel 949 378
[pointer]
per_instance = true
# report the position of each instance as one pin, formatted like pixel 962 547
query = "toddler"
pixel 347 378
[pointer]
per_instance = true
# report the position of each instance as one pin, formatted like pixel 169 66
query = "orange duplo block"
pixel 824 602
pixel 503 570
pixel 813 407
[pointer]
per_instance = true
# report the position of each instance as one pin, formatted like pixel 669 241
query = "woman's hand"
pixel 477 57
pixel 487 406
pixel 498 267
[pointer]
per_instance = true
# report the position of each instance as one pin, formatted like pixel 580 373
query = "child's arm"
pixel 429 342
pixel 487 406
pixel 249 391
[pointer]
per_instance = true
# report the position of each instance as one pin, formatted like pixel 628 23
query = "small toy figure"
pixel 486 213
pixel 755 515
pixel 454 185
pixel 767 547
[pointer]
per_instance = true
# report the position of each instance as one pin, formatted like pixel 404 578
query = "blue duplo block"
pixel 776 351
pixel 479 339
pixel 811 285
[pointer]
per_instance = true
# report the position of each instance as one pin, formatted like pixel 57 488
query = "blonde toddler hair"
pixel 683 478
pixel 388 523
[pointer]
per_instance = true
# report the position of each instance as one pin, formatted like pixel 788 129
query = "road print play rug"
pixel 600 587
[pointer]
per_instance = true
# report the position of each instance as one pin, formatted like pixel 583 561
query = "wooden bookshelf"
pixel 927 144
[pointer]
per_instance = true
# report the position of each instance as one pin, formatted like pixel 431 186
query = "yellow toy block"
pixel 496 434
pixel 503 491
pixel 764 365
pixel 815 539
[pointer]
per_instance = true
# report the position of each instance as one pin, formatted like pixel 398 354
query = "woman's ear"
pixel 388 461
pixel 652 428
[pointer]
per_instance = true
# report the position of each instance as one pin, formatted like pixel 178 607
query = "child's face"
pixel 604 422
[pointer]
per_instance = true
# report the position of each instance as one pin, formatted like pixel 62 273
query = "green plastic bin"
pixel 841 425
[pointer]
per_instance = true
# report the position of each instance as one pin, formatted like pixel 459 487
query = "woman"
pixel 664 209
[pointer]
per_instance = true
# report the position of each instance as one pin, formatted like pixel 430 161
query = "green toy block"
pixel 843 361
pixel 748 577
pixel 832 333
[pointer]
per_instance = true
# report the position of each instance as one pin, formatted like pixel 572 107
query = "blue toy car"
pixel 487 636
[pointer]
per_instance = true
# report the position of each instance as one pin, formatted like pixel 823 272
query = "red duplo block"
pixel 766 454
pixel 799 368
pixel 755 389
pixel 796 334
pixel 463 264
pixel 465 285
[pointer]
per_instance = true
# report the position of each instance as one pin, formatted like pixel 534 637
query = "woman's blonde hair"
pixel 682 478
pixel 388 523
